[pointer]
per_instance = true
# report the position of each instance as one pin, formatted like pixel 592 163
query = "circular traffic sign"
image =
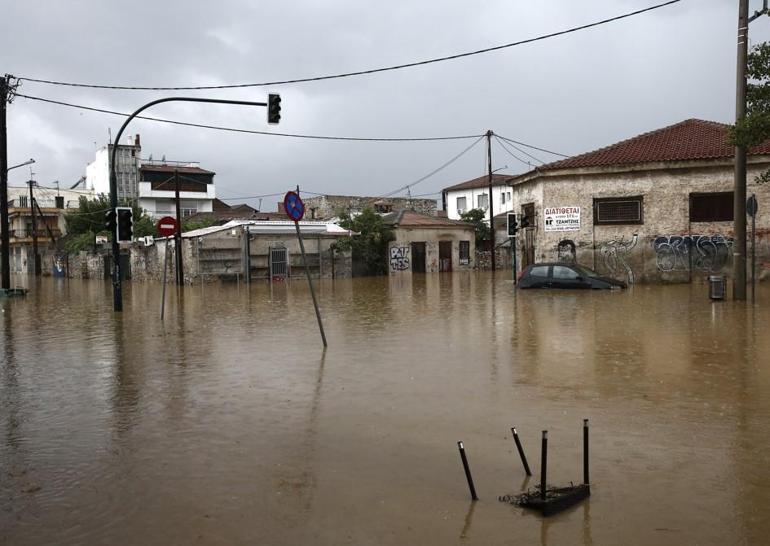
pixel 166 226
pixel 293 205
pixel 752 206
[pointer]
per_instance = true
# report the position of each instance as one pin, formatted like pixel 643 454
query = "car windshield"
pixel 584 271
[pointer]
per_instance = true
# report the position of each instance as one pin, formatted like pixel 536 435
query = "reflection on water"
pixel 227 423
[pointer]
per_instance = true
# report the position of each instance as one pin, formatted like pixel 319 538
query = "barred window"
pixel 465 252
pixel 618 210
pixel 711 207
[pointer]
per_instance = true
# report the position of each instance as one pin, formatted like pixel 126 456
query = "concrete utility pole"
pixel 739 191
pixel 4 224
pixel 35 252
pixel 489 199
pixel 178 234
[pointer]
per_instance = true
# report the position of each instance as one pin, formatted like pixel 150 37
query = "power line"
pixel 504 146
pixel 248 131
pixel 511 141
pixel 360 72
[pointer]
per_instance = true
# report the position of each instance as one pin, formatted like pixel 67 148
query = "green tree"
pixel 198 223
pixel 755 127
pixel 89 219
pixel 370 246
pixel 476 218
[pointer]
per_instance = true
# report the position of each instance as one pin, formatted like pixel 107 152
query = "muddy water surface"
pixel 228 423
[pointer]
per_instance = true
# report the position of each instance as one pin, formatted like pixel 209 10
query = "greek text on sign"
pixel 561 218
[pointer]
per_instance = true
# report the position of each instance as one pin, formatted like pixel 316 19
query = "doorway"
pixel 445 256
pixel 418 257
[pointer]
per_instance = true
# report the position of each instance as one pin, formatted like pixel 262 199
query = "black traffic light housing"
pixel 273 108
pixel 125 224
pixel 109 221
pixel 512 224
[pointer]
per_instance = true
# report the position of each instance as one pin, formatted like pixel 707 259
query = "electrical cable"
pixel 511 141
pixel 249 131
pixel 504 146
pixel 360 72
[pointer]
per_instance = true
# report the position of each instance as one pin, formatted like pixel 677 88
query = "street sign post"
pixel 751 209
pixel 166 228
pixel 295 209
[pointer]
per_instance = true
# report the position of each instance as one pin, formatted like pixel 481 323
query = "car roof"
pixel 568 264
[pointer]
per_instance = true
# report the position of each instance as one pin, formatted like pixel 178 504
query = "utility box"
pixel 717 287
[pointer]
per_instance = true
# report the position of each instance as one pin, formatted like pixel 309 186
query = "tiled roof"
pixel 691 139
pixel 410 218
pixel 481 182
pixel 172 168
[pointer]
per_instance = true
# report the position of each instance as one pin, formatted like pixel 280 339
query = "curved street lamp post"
pixel 117 291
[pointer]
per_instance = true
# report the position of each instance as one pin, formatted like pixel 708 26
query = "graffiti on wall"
pixel 683 252
pixel 399 258
pixel 615 253
pixel 565 251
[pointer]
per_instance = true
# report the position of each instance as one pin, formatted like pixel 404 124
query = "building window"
pixel 462 205
pixel 23 203
pixel 483 202
pixel 509 197
pixel 618 210
pixel 59 201
pixel 711 207
pixel 502 198
pixel 465 252
pixel 188 212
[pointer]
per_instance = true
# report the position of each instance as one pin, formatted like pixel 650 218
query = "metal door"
pixel 418 257
pixel 445 256
pixel 279 263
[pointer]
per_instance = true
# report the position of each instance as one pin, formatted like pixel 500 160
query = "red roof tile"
pixel 687 140
pixel 481 182
pixel 410 218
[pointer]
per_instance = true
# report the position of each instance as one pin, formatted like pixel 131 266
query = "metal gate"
pixel 279 263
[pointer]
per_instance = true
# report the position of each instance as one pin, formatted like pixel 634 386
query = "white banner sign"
pixel 561 218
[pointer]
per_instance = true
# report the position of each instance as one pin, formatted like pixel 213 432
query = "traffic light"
pixel 273 108
pixel 512 224
pixel 125 224
pixel 109 221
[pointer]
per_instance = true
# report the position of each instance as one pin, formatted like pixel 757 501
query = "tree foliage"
pixel 89 218
pixel 198 223
pixel 370 246
pixel 476 218
pixel 754 128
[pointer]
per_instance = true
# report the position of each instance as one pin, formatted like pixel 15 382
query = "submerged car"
pixel 564 275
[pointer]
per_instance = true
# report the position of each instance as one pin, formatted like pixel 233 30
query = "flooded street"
pixel 228 424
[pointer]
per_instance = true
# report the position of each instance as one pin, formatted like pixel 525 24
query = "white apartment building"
pixel 128 162
pixel 474 194
pixel 157 188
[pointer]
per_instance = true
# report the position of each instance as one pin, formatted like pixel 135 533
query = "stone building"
pixel 428 244
pixel 656 207
pixel 257 248
pixel 324 207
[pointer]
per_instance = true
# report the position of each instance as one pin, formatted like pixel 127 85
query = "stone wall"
pixel 666 246
pixel 329 206
pixel 400 251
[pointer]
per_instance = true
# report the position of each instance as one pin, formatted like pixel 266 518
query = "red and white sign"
pixel 166 226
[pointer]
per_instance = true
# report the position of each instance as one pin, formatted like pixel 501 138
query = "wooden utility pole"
pixel 739 190
pixel 490 200
pixel 5 238
pixel 178 234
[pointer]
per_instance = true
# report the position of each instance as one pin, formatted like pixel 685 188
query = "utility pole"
pixel 35 253
pixel 178 234
pixel 739 190
pixel 5 238
pixel 490 200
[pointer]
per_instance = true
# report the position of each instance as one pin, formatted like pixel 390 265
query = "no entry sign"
pixel 293 205
pixel 166 226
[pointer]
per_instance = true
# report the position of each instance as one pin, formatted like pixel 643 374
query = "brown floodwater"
pixel 229 424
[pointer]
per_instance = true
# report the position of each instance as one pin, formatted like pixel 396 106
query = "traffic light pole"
pixel 513 252
pixel 117 290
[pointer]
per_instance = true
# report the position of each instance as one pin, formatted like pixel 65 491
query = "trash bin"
pixel 717 287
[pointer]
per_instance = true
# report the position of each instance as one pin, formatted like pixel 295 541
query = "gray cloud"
pixel 570 94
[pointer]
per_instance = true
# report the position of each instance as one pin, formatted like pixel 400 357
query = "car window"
pixel 587 272
pixel 561 272
pixel 539 271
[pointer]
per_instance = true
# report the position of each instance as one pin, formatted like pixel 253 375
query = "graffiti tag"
pixel 565 251
pixel 683 252
pixel 615 253
pixel 399 258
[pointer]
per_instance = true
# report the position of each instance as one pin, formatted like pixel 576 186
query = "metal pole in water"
pixel 467 471
pixel 163 293
pixel 585 452
pixel 521 451
pixel 543 463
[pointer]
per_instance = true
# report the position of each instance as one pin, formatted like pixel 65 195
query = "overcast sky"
pixel 570 94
